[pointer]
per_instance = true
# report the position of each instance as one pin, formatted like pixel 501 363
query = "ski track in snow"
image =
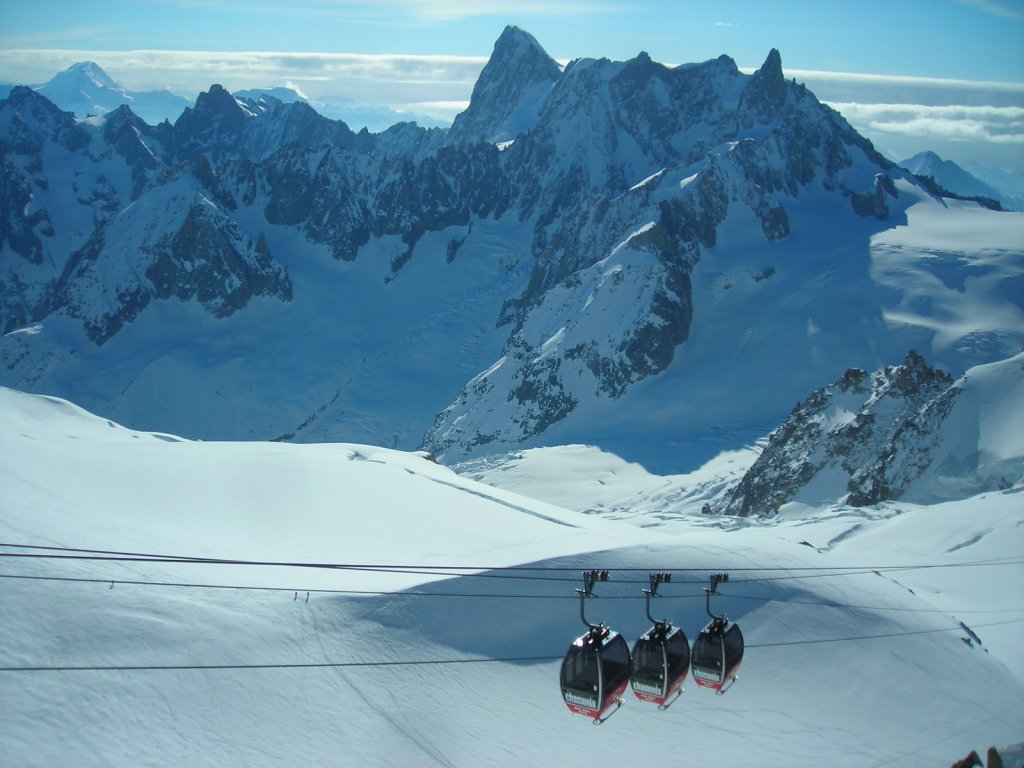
pixel 970 542
pixel 418 739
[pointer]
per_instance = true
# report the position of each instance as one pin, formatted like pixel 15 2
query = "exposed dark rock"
pixel 765 93
pixel 877 430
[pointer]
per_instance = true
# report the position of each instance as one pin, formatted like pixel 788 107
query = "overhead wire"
pixel 435 662
pixel 884 635
pixel 484 595
pixel 117 556
pixel 477 571
pixel 363 592
pixel 298 665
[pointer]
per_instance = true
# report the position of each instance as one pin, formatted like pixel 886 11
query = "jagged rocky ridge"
pixel 869 437
pixel 615 176
pixel 342 188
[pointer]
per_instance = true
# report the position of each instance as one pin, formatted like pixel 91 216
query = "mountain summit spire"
pixel 765 93
pixel 510 92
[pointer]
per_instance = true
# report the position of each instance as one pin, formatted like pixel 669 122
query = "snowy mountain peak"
pixel 218 101
pixel 771 69
pixel 922 161
pixel 86 89
pixel 28 117
pixel 516 45
pixel 510 92
pixel 218 118
pixel 278 93
pixel 86 73
pixel 22 97
pixel 951 177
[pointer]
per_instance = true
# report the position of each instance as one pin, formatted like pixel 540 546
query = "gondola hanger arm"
pixel 716 579
pixel 656 580
pixel 590 578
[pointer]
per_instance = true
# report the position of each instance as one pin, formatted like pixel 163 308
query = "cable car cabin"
pixel 595 672
pixel 661 659
pixel 717 653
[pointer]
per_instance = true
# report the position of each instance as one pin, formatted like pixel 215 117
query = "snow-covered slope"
pixel 918 687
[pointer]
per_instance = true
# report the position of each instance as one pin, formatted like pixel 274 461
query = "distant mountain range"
pixel 953 178
pixel 376 118
pixel 85 89
pixel 657 260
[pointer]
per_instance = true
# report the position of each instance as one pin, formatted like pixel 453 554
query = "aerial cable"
pixel 847 606
pixel 481 595
pixel 497 573
pixel 441 662
pixel 365 592
pixel 309 665
pixel 456 570
pixel 908 633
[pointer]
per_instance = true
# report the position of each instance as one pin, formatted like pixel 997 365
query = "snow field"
pixel 921 696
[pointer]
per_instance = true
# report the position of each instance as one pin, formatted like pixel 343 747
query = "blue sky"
pixel 907 72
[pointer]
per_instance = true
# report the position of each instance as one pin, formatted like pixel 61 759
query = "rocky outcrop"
pixel 198 253
pixel 863 438
pixel 763 98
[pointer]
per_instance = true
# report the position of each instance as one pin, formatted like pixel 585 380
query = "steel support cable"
pixel 486 595
pixel 440 662
pixel 908 633
pixel 503 572
pixel 190 558
pixel 309 665
pixel 453 570
pixel 366 592
pixel 410 570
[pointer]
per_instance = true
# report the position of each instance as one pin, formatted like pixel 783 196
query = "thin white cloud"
pixel 452 10
pixel 997 8
pixel 295 87
pixel 863 88
pixel 416 11
pixel 933 83
pixel 998 125
pixel 371 78
pixel 1006 115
